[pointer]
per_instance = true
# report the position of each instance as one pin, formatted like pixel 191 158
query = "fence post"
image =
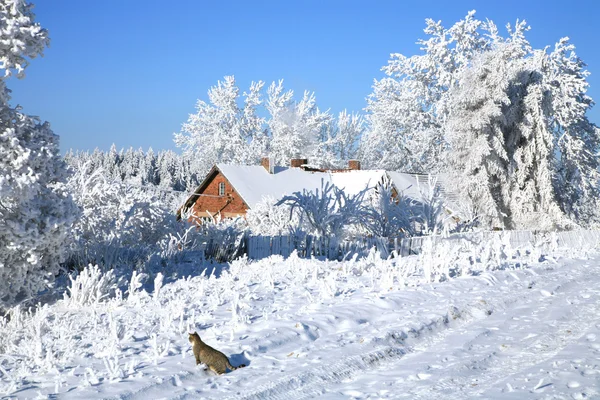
pixel 309 246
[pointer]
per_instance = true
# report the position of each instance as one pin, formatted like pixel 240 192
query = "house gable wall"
pixel 230 205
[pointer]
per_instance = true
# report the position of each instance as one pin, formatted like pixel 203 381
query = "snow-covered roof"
pixel 352 182
pixel 410 185
pixel 254 182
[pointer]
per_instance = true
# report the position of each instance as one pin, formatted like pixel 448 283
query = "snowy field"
pixel 507 326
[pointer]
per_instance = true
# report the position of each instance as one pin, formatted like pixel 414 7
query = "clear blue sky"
pixel 129 72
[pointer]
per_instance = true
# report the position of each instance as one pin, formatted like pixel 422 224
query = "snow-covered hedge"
pixel 120 224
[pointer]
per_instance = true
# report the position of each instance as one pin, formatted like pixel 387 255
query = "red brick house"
pixel 230 190
pixel 216 195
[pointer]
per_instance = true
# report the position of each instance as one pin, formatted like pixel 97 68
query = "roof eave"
pixel 194 196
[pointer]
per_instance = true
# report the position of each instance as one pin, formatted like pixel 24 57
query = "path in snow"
pixel 507 334
pixel 543 345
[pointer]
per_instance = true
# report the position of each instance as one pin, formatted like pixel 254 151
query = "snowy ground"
pixel 308 328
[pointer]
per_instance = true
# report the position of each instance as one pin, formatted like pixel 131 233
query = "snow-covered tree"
pixel 111 161
pixel 221 130
pixel 296 128
pixel 406 110
pixel 576 140
pixel 35 209
pixel 477 153
pixel 165 169
pixel 224 131
pixel 339 141
pixel 349 130
pixel 509 122
pixel 267 218
pixel 21 37
pixel 522 149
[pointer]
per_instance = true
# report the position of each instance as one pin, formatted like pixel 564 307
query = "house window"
pixel 221 188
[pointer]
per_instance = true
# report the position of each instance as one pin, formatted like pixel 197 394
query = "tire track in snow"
pixel 545 346
pixel 473 372
pixel 313 383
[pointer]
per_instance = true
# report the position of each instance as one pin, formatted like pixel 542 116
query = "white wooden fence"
pixel 527 240
pixel 258 247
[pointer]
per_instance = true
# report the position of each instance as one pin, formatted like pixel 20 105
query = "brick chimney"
pixel 266 163
pixel 298 162
pixel 354 165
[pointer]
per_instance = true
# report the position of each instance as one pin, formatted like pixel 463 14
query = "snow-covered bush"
pixel 118 222
pixel 433 214
pixel 35 209
pixel 466 217
pixel 224 237
pixel 389 214
pixel 328 211
pixel 269 219
pixel 89 287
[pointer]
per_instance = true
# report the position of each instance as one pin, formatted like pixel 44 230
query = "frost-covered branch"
pixel 328 210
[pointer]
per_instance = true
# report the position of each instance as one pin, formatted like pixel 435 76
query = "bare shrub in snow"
pixel 328 211
pixel 434 215
pixel 389 215
pixel 89 287
pixel 460 255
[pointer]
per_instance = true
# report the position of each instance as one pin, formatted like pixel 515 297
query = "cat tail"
pixel 231 367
